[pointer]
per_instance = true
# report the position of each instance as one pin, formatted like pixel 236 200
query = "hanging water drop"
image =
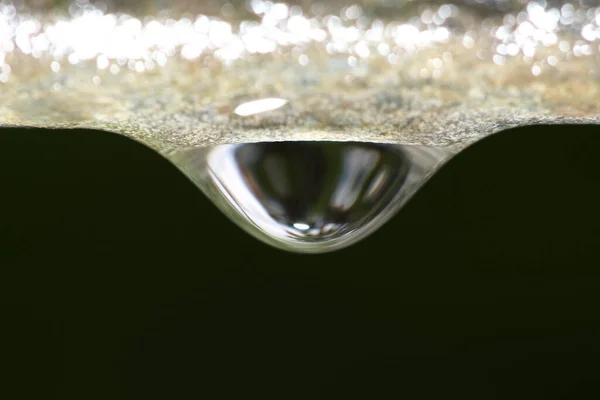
pixel 310 197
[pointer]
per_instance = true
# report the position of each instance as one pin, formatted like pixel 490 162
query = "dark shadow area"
pixel 119 280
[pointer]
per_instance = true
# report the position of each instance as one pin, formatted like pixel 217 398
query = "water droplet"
pixel 310 197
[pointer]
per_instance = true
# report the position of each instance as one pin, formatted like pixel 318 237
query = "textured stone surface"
pixel 400 72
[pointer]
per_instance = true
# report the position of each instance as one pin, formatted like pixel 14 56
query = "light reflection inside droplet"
pixel 301 226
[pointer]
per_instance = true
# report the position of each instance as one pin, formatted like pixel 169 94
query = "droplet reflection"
pixel 310 196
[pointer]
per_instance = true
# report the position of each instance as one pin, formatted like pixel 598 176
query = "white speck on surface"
pixel 259 106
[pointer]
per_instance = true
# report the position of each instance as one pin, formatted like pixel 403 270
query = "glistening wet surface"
pixel 185 78
pixel 410 72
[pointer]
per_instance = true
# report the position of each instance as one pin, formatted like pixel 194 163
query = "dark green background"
pixel 119 280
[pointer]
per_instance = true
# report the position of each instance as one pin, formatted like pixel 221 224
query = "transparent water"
pixel 310 197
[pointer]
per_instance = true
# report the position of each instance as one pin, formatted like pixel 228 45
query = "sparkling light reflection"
pixel 116 42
